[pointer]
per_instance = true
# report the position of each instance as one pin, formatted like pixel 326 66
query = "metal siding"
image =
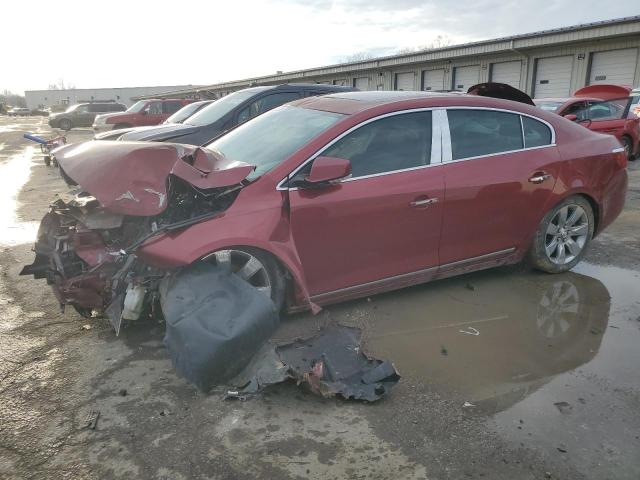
pixel 553 77
pixel 613 66
pixel 433 80
pixel 465 77
pixel 404 81
pixel 507 72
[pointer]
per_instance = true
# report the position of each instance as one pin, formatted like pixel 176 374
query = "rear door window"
pixel 171 107
pixel 475 133
pixel 608 110
pixel 536 133
pixel 397 142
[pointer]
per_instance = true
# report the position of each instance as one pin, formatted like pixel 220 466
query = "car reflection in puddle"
pixel 492 337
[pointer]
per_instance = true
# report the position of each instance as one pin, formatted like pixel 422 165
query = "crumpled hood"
pixel 130 178
pixel 160 132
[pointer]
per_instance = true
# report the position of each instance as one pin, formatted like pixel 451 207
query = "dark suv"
pixel 83 114
pixel 230 111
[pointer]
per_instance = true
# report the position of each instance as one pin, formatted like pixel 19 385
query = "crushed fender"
pixel 330 363
pixel 215 323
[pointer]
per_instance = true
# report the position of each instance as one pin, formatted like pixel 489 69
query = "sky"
pixel 129 43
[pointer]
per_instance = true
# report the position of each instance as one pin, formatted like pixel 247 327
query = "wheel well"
pixel 289 278
pixel 594 208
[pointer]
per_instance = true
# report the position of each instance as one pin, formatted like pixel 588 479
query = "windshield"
pixel 267 140
pixel 548 106
pixel 185 112
pixel 72 108
pixel 137 107
pixel 220 108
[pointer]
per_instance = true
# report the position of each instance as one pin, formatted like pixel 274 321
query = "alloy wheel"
pixel 566 234
pixel 557 309
pixel 246 266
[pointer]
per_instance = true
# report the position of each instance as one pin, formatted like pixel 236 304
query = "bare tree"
pixel 356 57
pixel 60 85
pixel 440 41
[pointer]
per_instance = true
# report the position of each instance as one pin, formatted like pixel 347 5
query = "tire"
pixel 268 275
pixel 628 148
pixel 47 160
pixel 65 124
pixel 563 236
pixel 119 126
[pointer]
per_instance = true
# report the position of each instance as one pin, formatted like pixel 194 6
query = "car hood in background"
pixel 114 134
pixel 160 132
pixel 130 178
pixel 604 91
pixel 500 90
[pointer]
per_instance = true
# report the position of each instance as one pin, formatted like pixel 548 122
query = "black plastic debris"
pixel 332 363
pixel 329 363
pixel 215 323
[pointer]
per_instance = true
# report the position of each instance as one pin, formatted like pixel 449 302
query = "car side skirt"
pixel 489 260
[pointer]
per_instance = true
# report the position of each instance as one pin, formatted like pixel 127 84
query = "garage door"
pixel 614 66
pixel 404 81
pixel 506 72
pixel 465 77
pixel 553 77
pixel 433 80
pixel 361 83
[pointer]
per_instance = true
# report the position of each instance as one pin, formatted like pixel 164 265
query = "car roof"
pixel 567 99
pixel 349 103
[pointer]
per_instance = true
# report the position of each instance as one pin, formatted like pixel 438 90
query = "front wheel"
pixel 65 124
pixel 257 268
pixel 563 235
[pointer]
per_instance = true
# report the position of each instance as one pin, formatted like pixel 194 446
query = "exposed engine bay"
pixel 87 252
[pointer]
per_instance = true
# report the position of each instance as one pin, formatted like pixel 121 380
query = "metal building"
pixel 49 98
pixel 544 64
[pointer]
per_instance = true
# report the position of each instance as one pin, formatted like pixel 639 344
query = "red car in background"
pixel 603 109
pixel 140 114
pixel 331 198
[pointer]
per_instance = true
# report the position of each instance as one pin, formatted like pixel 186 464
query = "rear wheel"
pixel 257 268
pixel 563 235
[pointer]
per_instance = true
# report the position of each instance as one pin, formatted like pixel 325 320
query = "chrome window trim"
pixel 436 131
pixel 449 158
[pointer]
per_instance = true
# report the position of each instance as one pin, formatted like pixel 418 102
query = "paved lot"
pixel 552 375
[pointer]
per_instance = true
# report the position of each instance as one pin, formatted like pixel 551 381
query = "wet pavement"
pixel 507 374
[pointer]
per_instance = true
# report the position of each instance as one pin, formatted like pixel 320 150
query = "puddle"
pixel 550 361
pixel 492 337
pixel 14 173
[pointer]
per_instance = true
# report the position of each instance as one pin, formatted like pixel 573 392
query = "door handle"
pixel 539 177
pixel 423 203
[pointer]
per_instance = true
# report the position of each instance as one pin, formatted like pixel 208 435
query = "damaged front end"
pixel 86 245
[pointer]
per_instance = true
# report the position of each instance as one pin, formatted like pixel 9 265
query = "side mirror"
pixel 328 169
pixel 571 117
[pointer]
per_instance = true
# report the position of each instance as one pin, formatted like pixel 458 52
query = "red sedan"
pixel 603 109
pixel 334 197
